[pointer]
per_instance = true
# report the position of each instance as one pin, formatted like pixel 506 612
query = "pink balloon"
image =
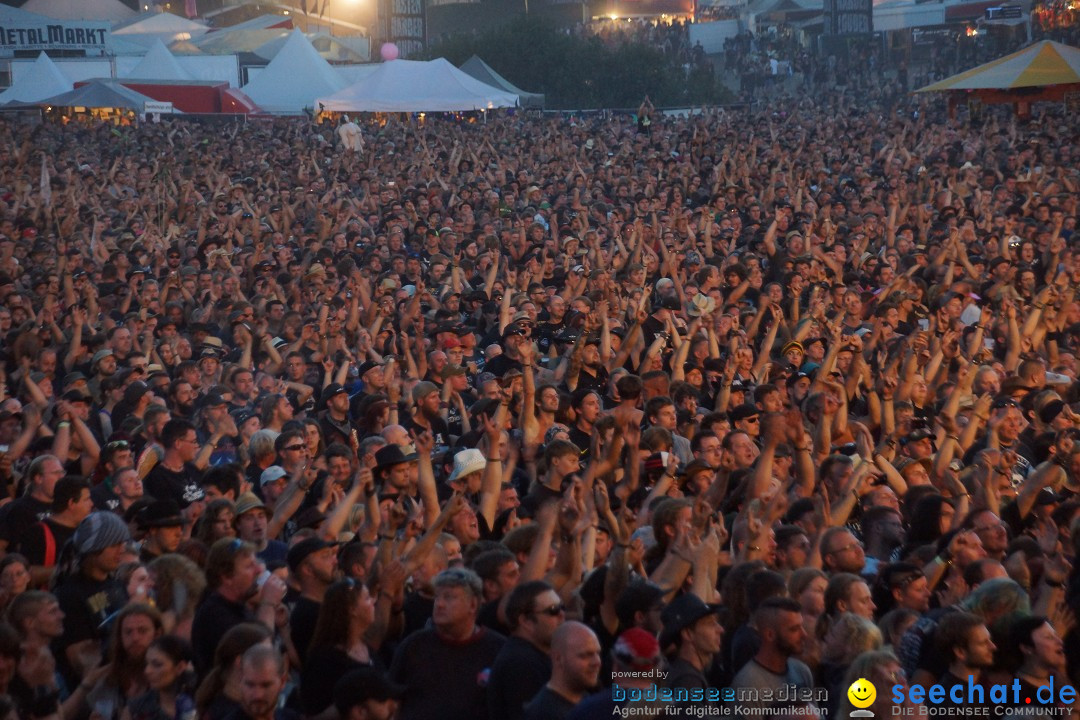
pixel 389 51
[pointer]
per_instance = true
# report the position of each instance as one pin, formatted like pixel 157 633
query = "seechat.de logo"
pixel 862 695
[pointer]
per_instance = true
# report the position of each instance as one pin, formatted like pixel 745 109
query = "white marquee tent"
pixel 294 78
pixel 147 27
pixel 417 86
pixel 154 22
pixel 42 80
pixel 159 64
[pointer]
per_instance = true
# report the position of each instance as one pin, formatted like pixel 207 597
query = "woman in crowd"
pixel 219 692
pixel 338 645
pixel 168 681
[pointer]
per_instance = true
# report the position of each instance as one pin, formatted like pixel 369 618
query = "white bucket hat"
pixel 466 462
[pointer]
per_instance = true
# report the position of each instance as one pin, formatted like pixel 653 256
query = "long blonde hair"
pixel 849 636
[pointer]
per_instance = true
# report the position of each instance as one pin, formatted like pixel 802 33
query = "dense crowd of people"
pixel 671 39
pixel 525 419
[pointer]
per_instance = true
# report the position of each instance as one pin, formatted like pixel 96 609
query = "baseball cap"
pixel 271 474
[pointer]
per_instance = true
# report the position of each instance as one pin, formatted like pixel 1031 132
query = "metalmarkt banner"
pixel 81 35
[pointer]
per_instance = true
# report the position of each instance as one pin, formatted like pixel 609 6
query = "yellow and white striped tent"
pixel 1042 64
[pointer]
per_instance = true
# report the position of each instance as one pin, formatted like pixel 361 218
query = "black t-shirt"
pixel 489 617
pixel 213 618
pixel 445 679
pixel 183 486
pixel 440 432
pixel 417 610
pixel 597 382
pixel 651 328
pixel 520 670
pixel 548 705
pixel 87 605
pixel 18 516
pixel 322 669
pixel 104 498
pixel 302 620
pixel 501 364
pixel 42 543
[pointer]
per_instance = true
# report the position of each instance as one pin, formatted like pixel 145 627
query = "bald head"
pixel 570 634
pixel 395 435
pixel 575 658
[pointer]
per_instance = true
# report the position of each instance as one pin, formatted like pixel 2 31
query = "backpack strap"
pixel 50 545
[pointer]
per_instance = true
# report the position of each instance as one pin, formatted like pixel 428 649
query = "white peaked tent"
pixel 101 10
pixel 42 80
pixel 154 22
pixel 147 27
pixel 483 72
pixel 159 64
pixel 418 86
pixel 294 78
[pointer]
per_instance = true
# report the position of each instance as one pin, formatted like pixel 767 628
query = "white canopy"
pixel 294 78
pixel 80 9
pixel 42 80
pixel 159 64
pixel 418 86
pixel 148 27
pixel 156 21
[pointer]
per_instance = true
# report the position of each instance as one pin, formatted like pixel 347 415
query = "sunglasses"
pixel 295 448
pixel 553 611
pixel 118 445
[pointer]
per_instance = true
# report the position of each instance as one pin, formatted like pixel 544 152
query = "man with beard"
pixel 334 421
pixel 102 365
pixel 798 386
pixel 312 564
pixel 232 577
pixel 182 399
pixel 426 415
pixel 775 666
pixel 592 375
pixel 242 383
pixel 263 674
pixel 964 641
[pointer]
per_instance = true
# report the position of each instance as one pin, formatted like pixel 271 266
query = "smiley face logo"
pixel 862 693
